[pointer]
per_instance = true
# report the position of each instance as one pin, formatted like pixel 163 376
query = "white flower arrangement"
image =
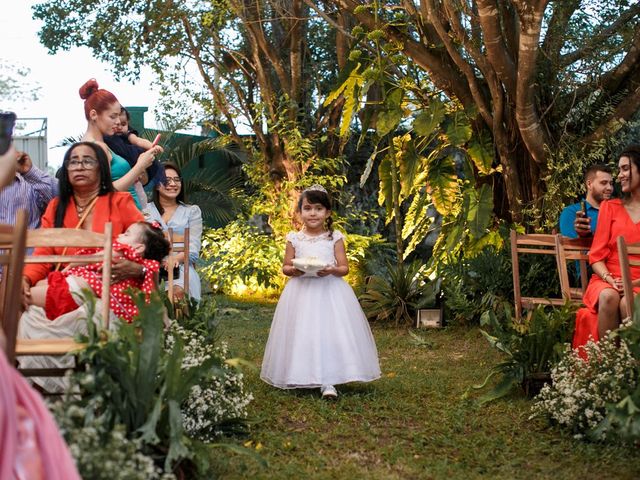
pixel 220 400
pixel 112 458
pixel 581 389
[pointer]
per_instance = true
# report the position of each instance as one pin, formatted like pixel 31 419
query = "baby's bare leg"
pixel 39 294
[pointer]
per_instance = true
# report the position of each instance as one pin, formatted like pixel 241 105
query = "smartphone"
pixel 155 141
pixel 7 122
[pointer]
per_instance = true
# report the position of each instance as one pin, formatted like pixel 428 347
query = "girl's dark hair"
pixel 126 113
pixel 181 198
pixel 318 196
pixel 66 190
pixel 156 245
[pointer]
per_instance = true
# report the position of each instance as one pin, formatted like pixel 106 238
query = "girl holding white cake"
pixel 319 335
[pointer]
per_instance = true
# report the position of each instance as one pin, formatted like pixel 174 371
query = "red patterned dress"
pixel 613 221
pixel 60 301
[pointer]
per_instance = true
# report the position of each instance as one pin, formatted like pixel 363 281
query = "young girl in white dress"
pixel 319 335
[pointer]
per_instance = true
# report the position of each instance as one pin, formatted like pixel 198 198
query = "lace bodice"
pixel 319 246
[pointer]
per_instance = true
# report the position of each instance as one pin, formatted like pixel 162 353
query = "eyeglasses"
pixel 88 163
pixel 176 180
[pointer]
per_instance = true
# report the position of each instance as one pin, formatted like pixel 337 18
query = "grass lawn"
pixel 412 423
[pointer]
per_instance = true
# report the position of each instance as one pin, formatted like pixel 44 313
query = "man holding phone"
pixel 31 189
pixel 580 219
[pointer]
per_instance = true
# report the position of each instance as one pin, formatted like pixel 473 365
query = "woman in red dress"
pixel 618 217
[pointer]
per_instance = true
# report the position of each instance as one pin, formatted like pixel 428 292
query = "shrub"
pixel 396 296
pixel 133 381
pixel 240 257
pixel 531 345
pixel 581 390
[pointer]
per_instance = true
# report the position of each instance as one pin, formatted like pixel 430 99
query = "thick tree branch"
pixel 497 52
pixel 531 14
pixel 444 73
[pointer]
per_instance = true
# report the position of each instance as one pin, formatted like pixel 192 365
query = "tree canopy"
pixel 540 80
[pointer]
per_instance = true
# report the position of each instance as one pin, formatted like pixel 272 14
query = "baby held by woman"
pixel 142 243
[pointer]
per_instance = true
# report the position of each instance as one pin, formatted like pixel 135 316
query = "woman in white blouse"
pixel 170 210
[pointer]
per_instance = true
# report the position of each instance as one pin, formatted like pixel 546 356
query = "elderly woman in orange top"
pixel 87 200
pixel 618 217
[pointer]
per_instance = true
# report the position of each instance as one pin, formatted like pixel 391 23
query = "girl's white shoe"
pixel 329 391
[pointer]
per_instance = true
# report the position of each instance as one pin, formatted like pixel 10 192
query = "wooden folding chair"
pixel 532 243
pixel 573 249
pixel 629 255
pixel 179 243
pixel 67 238
pixel 13 246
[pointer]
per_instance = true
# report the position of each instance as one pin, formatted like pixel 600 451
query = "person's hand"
pixel 24 163
pixel 145 159
pixel 292 271
pixel 121 269
pixel 330 270
pixel 582 224
pixel 615 283
pixel 26 293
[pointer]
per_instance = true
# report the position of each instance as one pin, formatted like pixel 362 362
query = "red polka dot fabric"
pixel 121 301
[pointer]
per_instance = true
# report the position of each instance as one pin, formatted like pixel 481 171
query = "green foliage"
pixel 622 418
pixel 531 345
pixel 395 296
pixel 239 254
pixel 130 380
pixel 474 284
pixel 420 168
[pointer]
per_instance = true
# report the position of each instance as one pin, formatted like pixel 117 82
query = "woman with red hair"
pixel 102 111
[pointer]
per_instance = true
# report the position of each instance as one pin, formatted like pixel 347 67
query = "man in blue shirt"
pixel 599 185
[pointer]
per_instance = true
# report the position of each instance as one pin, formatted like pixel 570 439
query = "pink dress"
pixel 31 448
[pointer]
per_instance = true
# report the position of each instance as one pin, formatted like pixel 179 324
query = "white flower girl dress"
pixel 319 334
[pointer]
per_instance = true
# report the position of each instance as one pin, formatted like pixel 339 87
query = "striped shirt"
pixel 31 191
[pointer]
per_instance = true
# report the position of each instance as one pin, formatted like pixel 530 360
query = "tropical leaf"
pixel 385 192
pixel 350 90
pixel 480 210
pixel 388 120
pixel 442 183
pixel 411 166
pixel 422 229
pixel 333 96
pixel 415 214
pixel 481 152
pixel 428 120
pixel 458 129
pixel 368 167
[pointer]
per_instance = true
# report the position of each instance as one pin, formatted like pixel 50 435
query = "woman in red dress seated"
pixel 617 217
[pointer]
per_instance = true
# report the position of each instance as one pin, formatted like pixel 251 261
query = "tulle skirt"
pixel 319 336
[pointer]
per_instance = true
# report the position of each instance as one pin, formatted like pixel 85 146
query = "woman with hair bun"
pixel 102 111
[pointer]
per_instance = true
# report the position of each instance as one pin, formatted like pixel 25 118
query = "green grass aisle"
pixel 410 424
